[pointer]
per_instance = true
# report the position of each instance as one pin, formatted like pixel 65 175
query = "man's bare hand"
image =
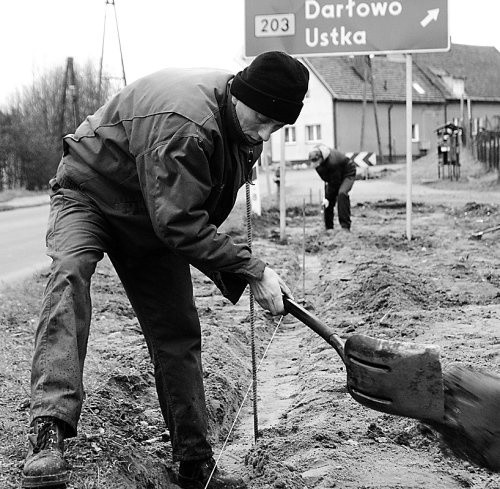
pixel 269 291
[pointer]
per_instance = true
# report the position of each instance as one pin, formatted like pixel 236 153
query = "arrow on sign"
pixel 432 14
pixel 363 159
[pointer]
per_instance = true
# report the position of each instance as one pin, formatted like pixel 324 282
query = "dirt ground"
pixel 440 288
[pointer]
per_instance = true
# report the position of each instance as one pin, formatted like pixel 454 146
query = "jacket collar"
pixel 232 123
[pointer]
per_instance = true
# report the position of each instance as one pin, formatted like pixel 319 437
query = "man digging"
pixel 148 179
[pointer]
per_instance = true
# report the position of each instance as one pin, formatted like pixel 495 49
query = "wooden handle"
pixel 320 328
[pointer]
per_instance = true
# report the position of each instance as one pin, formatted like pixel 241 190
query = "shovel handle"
pixel 315 324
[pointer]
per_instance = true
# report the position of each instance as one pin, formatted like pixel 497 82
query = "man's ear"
pixel 234 100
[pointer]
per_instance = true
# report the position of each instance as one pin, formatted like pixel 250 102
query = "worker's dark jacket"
pixel 167 156
pixel 334 169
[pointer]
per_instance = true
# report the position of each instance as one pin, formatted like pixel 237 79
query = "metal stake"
pixel 304 250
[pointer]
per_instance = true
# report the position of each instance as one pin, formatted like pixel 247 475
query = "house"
pixel 470 76
pixel 358 103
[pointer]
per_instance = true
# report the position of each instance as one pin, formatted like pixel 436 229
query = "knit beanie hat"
pixel 274 85
pixel 319 152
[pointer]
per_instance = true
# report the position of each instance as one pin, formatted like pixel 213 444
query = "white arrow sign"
pixel 431 15
pixel 364 159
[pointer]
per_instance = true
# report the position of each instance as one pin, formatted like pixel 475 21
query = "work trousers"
pixel 338 194
pixel 159 287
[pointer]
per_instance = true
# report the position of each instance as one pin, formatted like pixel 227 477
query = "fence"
pixel 486 146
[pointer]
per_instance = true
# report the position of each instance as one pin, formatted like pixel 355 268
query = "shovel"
pixel 471 424
pixel 393 377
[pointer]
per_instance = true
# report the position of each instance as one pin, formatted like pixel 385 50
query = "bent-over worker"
pixel 147 180
pixel 339 173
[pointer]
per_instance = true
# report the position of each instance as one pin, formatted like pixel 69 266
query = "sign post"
pixel 409 155
pixel 350 27
pixel 282 186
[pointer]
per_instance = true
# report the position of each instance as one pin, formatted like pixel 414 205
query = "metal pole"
pixel 282 188
pixel 304 250
pixel 363 110
pixel 409 121
pixel 252 319
pixel 375 111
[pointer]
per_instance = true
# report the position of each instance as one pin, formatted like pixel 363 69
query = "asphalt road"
pixel 22 242
pixel 22 231
pixel 306 185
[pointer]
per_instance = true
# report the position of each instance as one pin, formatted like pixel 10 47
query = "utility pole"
pixel 363 110
pixel 111 4
pixel 375 112
pixel 69 83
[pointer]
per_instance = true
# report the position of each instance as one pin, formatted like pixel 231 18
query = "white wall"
pixel 318 109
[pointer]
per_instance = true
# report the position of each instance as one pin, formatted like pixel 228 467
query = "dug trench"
pixel 440 288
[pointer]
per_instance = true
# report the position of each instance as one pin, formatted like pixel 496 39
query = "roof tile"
pixel 479 65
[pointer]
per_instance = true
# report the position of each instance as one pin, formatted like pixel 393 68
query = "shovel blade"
pixel 472 422
pixel 394 377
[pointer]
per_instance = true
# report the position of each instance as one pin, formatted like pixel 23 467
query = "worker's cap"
pixel 274 85
pixel 315 156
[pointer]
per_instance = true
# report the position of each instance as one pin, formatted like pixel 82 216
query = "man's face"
pixel 256 127
pixel 316 158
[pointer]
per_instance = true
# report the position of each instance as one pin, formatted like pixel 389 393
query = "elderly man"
pixel 148 179
pixel 338 172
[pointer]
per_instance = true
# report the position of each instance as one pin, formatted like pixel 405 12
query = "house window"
pixel 313 133
pixel 290 134
pixel 415 133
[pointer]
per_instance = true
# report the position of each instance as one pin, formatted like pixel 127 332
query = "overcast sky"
pixel 36 34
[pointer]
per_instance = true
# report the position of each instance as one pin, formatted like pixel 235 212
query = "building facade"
pixel 358 103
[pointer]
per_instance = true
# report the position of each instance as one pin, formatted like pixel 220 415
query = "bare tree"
pixel 30 132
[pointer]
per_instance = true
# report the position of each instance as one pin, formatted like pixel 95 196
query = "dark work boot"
pixel 44 465
pixel 195 475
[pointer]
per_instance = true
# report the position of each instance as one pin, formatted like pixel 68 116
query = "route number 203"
pixel 274 25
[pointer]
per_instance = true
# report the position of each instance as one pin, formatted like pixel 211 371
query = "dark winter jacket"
pixel 167 155
pixel 335 167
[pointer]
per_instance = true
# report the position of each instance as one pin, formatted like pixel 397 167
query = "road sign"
pixel 333 27
pixel 364 159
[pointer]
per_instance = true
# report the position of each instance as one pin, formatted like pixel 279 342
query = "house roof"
pixel 478 65
pixel 346 82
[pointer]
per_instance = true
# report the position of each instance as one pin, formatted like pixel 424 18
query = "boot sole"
pixel 60 479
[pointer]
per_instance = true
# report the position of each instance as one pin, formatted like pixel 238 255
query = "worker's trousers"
pixel 160 290
pixel 339 195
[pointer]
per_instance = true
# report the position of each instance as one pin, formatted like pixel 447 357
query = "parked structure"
pixel 357 103
pixel 448 151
